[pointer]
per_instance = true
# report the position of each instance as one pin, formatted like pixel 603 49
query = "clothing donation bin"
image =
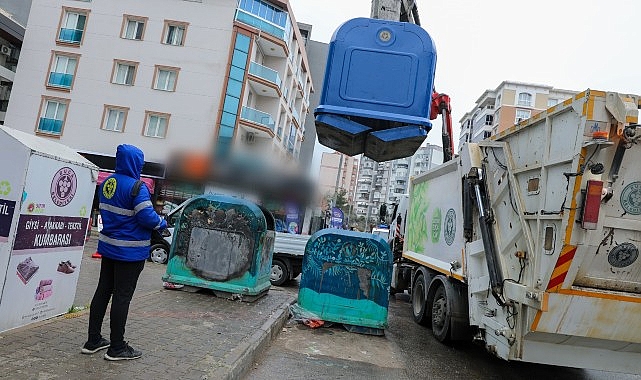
pixel 224 244
pixel 376 95
pixel 46 191
pixel 346 279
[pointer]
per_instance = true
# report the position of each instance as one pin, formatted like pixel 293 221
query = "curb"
pixel 241 359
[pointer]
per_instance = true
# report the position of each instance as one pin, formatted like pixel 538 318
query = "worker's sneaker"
pixel 92 348
pixel 126 353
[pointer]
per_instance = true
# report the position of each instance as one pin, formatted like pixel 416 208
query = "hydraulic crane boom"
pixel 406 11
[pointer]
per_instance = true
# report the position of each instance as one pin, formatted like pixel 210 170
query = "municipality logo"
pixel 449 228
pixel 631 198
pixel 63 186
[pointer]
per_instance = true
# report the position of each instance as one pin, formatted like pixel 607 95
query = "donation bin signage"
pixel 48 192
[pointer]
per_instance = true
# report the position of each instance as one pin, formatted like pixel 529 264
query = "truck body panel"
pixel 562 195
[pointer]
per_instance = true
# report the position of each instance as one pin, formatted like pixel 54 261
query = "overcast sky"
pixel 568 44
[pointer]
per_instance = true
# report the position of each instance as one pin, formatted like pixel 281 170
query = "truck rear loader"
pixel 529 242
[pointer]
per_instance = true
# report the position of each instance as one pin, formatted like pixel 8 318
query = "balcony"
pixel 60 80
pixel 296 116
pixel 73 36
pixel 258 117
pixel 261 24
pixel 290 146
pixel 264 81
pixel 51 126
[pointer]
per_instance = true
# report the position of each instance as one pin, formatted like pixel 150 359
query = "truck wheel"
pixel 279 273
pixel 419 303
pixel 441 315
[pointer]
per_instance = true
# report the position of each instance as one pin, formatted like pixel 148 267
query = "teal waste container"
pixel 346 279
pixel 224 244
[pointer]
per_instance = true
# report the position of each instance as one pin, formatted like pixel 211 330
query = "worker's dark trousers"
pixel 118 278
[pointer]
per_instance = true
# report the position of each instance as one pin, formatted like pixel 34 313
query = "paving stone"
pixel 182 335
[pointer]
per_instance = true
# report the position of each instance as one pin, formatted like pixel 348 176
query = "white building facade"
pixel 166 76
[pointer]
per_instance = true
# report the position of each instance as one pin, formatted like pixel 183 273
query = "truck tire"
pixel 441 314
pixel 419 300
pixel 279 274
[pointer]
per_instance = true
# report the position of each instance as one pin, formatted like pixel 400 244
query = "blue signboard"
pixel 337 218
pixel 291 219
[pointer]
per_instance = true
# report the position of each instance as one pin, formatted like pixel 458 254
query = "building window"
pixel 133 27
pixel 525 99
pixel 156 124
pixel 552 102
pixel 489 119
pixel 72 25
pixel 62 70
pixel 114 118
pixel 174 33
pixel 53 112
pixel 124 72
pixel 522 115
pixel 487 134
pixel 165 78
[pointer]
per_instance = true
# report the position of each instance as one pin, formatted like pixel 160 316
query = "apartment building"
pixel 385 182
pixel 167 75
pixel 508 104
pixel 337 171
pixel 13 18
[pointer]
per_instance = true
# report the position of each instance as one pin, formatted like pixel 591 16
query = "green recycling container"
pixel 224 244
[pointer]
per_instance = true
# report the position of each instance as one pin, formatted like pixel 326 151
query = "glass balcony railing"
pixel 60 80
pixel 296 115
pixel 52 126
pixel 263 25
pixel 259 117
pixel 290 146
pixel 70 35
pixel 264 72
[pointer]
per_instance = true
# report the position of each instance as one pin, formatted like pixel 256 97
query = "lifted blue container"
pixel 224 244
pixel 377 90
pixel 346 279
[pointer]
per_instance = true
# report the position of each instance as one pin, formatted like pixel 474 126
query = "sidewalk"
pixel 182 335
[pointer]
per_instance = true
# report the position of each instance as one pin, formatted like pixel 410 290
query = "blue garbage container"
pixel 377 89
pixel 224 244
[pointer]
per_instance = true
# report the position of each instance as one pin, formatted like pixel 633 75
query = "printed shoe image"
pixel 126 353
pixel 26 269
pixel 70 264
pixel 92 348
pixel 65 267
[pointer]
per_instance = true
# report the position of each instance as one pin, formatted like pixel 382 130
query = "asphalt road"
pixel 407 351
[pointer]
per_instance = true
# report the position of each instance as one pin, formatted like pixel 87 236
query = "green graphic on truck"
pixel 416 228
pixel 436 225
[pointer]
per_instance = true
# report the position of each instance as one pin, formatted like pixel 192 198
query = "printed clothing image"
pixel 128 217
pixel 26 269
pixel 44 290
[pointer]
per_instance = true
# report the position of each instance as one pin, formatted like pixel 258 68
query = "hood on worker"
pixel 129 160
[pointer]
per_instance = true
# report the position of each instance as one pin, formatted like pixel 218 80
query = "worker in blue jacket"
pixel 128 219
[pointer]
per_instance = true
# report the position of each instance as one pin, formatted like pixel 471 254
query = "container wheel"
pixel 441 314
pixel 419 302
pixel 158 253
pixel 279 274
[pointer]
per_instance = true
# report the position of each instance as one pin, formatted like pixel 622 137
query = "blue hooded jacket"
pixel 127 220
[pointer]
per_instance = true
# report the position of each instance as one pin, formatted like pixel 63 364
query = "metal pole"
pixel 338 176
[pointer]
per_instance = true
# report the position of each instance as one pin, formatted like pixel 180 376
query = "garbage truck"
pixel 528 242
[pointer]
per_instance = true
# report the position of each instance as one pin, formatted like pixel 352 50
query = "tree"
pixel 340 197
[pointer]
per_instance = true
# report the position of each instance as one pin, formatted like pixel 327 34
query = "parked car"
pixel 161 240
